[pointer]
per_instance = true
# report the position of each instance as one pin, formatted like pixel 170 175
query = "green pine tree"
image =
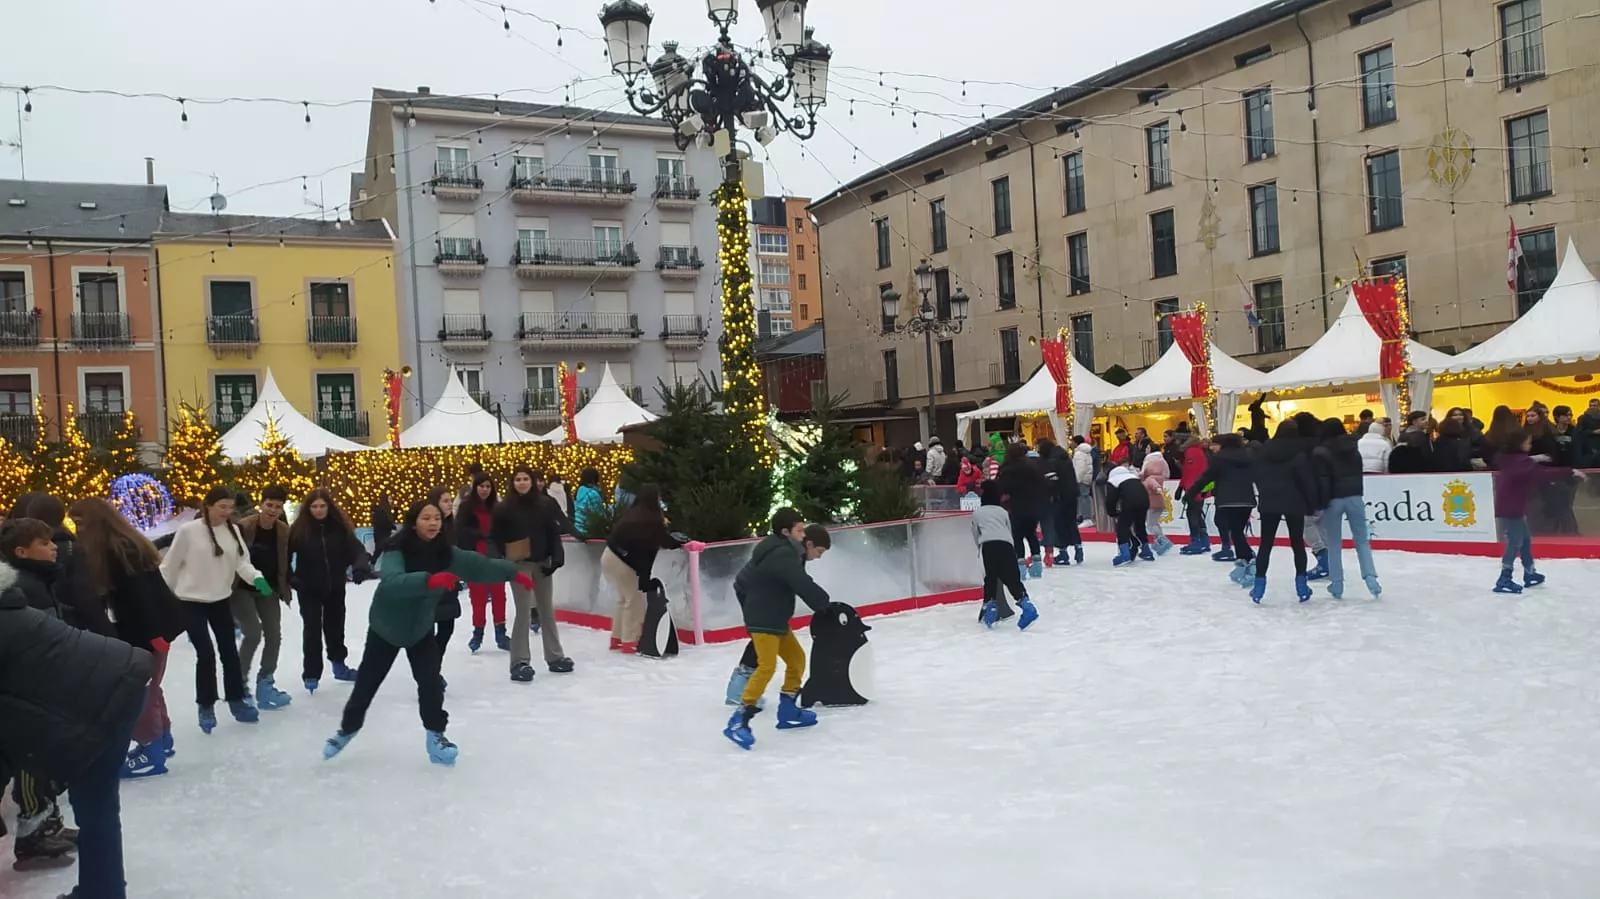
pixel 823 484
pixel 120 454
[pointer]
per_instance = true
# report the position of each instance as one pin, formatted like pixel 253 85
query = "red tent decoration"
pixel 1055 359
pixel 1380 302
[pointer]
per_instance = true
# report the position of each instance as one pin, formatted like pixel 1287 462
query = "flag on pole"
pixel 1249 305
pixel 1513 256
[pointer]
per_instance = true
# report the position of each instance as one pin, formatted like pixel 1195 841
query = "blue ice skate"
pixel 149 760
pixel 243 711
pixel 166 744
pixel 1321 570
pixel 791 716
pixel 1224 554
pixel 1531 578
pixel 476 643
pixel 1258 589
pixel 1372 586
pixel 1163 545
pixel 501 639
pixel 1244 570
pixel 1336 589
pixel 208 718
pixel 1302 589
pixel 990 614
pixel 311 685
pixel 1124 555
pixel 1035 567
pixel 1062 558
pixel 268 696
pixel 1506 584
pixel 1077 553
pixel 440 750
pixel 1145 554
pixel 336 744
pixel 1022 569
pixel 343 672
pixel 738 727
pixel 1029 614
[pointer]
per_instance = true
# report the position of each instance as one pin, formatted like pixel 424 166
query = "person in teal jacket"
pixel 418 567
pixel 587 503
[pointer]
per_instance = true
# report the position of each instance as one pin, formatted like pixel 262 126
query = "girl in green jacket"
pixel 418 568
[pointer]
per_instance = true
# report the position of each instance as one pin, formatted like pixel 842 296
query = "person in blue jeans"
pixel 1336 473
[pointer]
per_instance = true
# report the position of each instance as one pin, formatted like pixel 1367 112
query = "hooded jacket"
pixel 322 555
pixel 773 578
pixel 1227 479
pixel 533 517
pixel 1336 469
pixel 1154 474
pixel 1083 464
pixel 1024 484
pixel 970 479
pixel 1195 462
pixel 1375 448
pixel 1281 470
pixel 66 695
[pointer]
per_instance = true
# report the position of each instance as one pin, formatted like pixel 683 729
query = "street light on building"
pixel 707 102
pixel 928 322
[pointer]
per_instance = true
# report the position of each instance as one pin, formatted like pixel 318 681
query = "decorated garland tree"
pixel 741 374
pixel 278 463
pixel 15 474
pixel 194 456
pixel 120 455
pixel 71 471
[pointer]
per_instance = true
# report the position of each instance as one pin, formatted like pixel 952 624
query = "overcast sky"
pixel 338 50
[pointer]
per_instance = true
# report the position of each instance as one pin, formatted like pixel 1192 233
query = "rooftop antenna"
pixel 22 160
pixel 218 201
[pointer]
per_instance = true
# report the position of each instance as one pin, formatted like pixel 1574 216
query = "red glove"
pixel 522 580
pixel 443 580
pixel 160 645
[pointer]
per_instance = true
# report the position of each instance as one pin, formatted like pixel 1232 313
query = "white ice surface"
pixel 1155 735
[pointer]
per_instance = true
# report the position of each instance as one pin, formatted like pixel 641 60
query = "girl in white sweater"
pixel 206 555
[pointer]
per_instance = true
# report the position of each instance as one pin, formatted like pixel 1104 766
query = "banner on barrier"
pixel 1451 508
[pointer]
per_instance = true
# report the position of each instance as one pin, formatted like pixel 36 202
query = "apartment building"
pixel 312 302
pixel 787 264
pixel 79 329
pixel 1251 166
pixel 531 235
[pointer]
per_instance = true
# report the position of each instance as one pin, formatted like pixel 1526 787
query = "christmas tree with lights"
pixel 15 474
pixel 194 456
pixel 72 471
pixel 742 398
pixel 278 463
pixel 120 455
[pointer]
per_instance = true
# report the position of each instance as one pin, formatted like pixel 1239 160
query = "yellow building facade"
pixel 313 303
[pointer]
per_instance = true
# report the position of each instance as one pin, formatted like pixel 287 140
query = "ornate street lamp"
pixel 927 322
pixel 708 100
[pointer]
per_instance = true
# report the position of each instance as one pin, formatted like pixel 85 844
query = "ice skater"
pixel 786 522
pixel 991 530
pixel 1517 475
pixel 418 567
pixel 1128 503
pixel 324 545
pixel 1336 467
pixel 778 577
pixel 1154 473
pixel 1281 470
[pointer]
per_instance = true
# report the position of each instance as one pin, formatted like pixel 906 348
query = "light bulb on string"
pixel 183 111
pixel 27 102
pixel 559 41
pixel 1467 78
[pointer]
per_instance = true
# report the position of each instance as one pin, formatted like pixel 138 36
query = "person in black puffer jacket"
pixel 525 528
pixel 70 587
pixel 1227 479
pixel 1281 470
pixel 1027 496
pixel 1336 470
pixel 324 547
pixel 68 699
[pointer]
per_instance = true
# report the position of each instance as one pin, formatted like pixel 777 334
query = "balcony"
pixel 233 333
pixel 460 257
pixel 683 332
pixel 679 262
pixel 579 330
pixel 464 331
pixel 97 425
pixel 1523 63
pixel 224 417
pixel 347 423
pixel 456 182
pixel 483 398
pixel 542 406
pixel 331 332
pixel 571 257
pixel 675 193
pixel 584 184
pixel 19 429
pixel 101 329
pixel 635 392
pixel 19 328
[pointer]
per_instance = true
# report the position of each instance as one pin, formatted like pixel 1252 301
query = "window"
pixel 800 281
pixel 1538 268
pixel 336 395
pixel 527 167
pixel 1163 244
pixel 1371 13
pixel 1005 279
pixel 16 396
pixel 1270 336
pixel 14 292
pixel 103 391
pixel 1377 87
pixel 1521 42
pixel 1164 308
pixel 1072 171
pixel 1158 155
pixel 1078 263
pixel 230 299
pixel 799 224
pixel 881 226
pixel 1083 339
pixel 800 252
pixel 774 300
pixel 99 293
pixel 1264 220
pixel 941 237
pixel 605 168
pixel 542 380
pixel 607 240
pixel 1001 187
pixel 941 293
pixel 805 310
pixel 947 366
pixel 1383 192
pixel 1251 57
pixel 1529 140
pixel 891 376
pixel 775 244
pixel 330 299
pixel 775 274
pixel 454 161
pixel 888 320
pixel 1010 356
pixel 670 172
pixel 234 395
pixel 472 379
pixel 782 325
pixel 458 236
pixel 1258 140
pixel 1389 265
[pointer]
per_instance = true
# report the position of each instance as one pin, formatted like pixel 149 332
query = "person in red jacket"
pixel 1195 461
pixel 970 478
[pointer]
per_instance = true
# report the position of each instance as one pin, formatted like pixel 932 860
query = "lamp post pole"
pixel 928 323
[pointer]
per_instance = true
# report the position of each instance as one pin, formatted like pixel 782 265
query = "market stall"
pixel 602 419
pixel 310 440
pixel 1163 394
pixel 457 420
pixel 1033 406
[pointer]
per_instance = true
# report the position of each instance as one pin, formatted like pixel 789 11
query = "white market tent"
pixel 1563 328
pixel 457 420
pixel 1038 397
pixel 1347 355
pixel 310 440
pixel 1167 382
pixel 608 411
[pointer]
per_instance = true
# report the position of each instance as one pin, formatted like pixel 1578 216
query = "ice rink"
pixel 1154 735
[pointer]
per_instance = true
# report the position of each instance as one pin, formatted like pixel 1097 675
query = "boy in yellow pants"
pixel 775 576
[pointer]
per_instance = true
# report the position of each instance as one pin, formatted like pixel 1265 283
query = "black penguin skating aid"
pixel 841 659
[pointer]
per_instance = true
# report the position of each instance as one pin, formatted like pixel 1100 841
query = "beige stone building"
pixel 1260 158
